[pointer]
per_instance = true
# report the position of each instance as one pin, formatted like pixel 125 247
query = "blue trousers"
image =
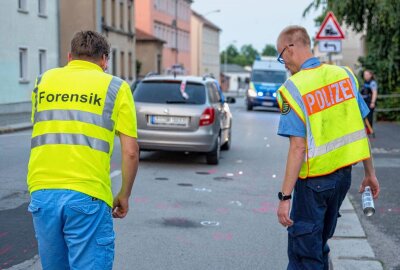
pixel 315 209
pixel 74 230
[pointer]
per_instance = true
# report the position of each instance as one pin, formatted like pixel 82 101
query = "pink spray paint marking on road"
pixel 2 234
pixel 114 166
pixel 141 200
pixel 5 249
pixel 223 210
pixel 394 210
pixel 222 236
pixel 266 207
pixel 165 206
pixel 212 171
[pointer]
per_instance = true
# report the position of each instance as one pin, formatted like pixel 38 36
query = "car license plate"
pixel 161 120
pixel 268 103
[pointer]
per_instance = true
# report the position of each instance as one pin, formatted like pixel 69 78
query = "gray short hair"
pixel 295 34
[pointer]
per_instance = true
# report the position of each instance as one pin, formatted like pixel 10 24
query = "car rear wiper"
pixel 180 102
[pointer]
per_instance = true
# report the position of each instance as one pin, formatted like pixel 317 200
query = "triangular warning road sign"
pixel 330 28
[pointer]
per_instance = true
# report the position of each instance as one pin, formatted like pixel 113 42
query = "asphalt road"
pixel 189 215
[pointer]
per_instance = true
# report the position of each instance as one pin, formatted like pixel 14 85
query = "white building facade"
pixel 204 46
pixel 29 46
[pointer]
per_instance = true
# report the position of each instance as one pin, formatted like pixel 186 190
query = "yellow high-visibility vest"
pixel 76 111
pixel 325 99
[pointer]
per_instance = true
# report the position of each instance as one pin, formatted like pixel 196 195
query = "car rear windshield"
pixel 268 76
pixel 170 92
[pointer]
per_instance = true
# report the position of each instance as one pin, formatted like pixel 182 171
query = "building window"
pixel 22 6
pixel 159 63
pixel 121 15
pixel 42 61
pixel 122 63
pixel 113 15
pixel 23 64
pixel 103 11
pixel 42 7
pixel 130 66
pixel 114 62
pixel 130 15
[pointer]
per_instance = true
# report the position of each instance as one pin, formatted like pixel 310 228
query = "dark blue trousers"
pixel 315 209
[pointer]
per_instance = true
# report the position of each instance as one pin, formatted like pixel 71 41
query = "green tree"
pixel 231 53
pixel 269 50
pixel 244 57
pixel 249 54
pixel 381 23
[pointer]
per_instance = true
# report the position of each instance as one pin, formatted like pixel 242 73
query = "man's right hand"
pixel 120 206
pixel 371 181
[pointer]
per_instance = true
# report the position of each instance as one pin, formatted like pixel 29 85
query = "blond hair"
pixel 295 34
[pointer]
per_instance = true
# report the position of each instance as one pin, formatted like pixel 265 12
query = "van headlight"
pixel 252 92
pixel 274 94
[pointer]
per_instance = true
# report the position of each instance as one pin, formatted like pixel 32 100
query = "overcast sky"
pixel 256 22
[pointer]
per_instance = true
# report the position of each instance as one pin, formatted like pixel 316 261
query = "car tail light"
pixel 207 117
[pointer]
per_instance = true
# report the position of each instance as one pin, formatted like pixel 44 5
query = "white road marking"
pixel 236 202
pixel 203 189
pixel 209 223
pixel 115 173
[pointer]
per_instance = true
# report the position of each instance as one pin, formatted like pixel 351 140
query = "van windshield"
pixel 268 76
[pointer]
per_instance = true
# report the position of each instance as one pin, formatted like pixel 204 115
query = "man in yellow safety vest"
pixel 76 111
pixel 322 114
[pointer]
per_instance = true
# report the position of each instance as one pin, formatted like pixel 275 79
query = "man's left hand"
pixel 283 213
pixel 120 206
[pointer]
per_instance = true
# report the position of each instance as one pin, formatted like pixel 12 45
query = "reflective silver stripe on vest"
pixel 103 120
pixel 112 93
pixel 75 115
pixel 339 142
pixel 295 93
pixel 70 139
pixel 35 90
pixel 38 79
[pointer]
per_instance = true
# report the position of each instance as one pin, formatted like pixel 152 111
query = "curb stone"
pixel 349 246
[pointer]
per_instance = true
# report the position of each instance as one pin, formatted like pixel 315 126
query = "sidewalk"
pixel 349 246
pixel 15 127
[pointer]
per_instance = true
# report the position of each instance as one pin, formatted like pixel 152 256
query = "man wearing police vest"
pixel 322 114
pixel 76 111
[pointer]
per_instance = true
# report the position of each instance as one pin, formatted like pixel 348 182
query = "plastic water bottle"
pixel 368 202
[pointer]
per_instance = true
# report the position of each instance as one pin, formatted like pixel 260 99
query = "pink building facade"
pixel 168 20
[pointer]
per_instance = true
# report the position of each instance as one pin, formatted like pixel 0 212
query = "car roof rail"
pixel 208 75
pixel 151 74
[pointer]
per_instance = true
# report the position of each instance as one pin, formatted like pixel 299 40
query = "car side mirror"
pixel 230 100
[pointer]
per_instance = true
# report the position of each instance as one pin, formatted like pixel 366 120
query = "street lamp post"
pixel 212 11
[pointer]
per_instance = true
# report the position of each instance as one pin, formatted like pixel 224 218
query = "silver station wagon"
pixel 183 113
